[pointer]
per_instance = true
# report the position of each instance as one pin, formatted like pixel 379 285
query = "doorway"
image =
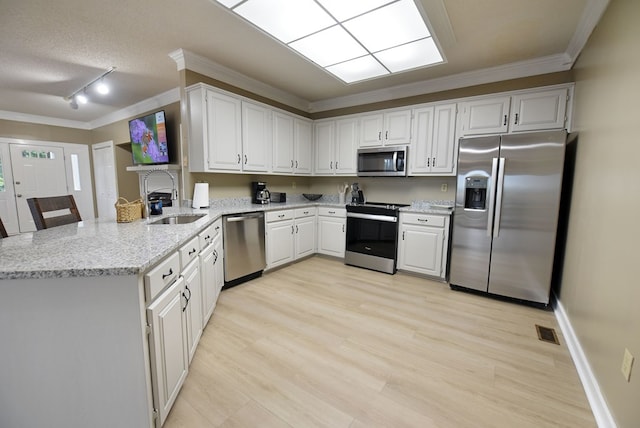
pixel 105 179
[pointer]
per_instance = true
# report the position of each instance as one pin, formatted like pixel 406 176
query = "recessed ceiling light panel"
pixel 358 69
pixel 389 26
pixel 352 39
pixel 329 46
pixel 347 9
pixel 411 55
pixel 286 20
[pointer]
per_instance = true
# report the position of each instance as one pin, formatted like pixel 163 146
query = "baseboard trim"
pixel 599 407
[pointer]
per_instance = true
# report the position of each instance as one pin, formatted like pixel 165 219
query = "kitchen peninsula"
pixel 73 318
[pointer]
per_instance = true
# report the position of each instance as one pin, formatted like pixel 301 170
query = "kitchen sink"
pixel 179 219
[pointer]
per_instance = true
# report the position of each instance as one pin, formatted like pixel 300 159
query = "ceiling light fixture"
pixel 353 40
pixel 80 96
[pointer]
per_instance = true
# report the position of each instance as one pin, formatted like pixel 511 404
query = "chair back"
pixel 3 231
pixel 53 211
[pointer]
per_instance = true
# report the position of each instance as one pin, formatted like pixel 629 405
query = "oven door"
pixel 372 235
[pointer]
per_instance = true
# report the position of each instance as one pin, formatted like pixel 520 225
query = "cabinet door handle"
pixel 428 162
pixel 296 228
pixel 386 135
pixel 331 165
pixel 336 165
pixel 343 228
pixel 168 274
pixel 217 227
pixel 434 162
pixel 291 163
pixel 403 232
pixel 296 164
pixel 380 136
pixel 245 159
pixel 516 122
pixel 192 251
pixel 505 120
pixel 292 229
pixel 239 158
pixel 215 256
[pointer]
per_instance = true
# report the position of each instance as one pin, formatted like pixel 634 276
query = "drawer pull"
pixel 280 215
pixel 423 219
pixel 217 227
pixel 168 274
pixel 192 251
pixel 332 212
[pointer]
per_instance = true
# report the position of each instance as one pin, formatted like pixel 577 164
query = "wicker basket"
pixel 127 212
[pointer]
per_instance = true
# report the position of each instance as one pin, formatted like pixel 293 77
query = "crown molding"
pixel 190 61
pixel 161 100
pixel 544 65
pixel 593 11
pixel 43 120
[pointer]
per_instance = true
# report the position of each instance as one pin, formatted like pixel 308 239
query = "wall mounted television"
pixel 149 143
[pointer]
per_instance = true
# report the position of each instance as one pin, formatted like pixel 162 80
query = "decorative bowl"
pixel 312 196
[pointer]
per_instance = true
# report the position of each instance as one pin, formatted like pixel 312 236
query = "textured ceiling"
pixel 48 49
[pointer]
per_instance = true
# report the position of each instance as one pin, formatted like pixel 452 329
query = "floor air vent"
pixel 547 334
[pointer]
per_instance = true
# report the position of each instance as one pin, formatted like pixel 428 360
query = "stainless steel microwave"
pixel 383 161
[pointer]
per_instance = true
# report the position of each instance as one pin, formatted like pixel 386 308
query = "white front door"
pixel 8 213
pixel 104 177
pixel 38 171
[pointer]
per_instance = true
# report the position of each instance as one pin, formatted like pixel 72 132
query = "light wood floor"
pixel 321 344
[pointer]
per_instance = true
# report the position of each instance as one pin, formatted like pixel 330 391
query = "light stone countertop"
pixel 97 248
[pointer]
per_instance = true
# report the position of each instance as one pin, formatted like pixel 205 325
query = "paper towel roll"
pixel 201 195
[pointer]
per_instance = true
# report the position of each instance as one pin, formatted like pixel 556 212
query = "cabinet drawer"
pixel 423 219
pixel 278 215
pixel 189 252
pixel 207 236
pixel 162 275
pixel 305 212
pixel 332 212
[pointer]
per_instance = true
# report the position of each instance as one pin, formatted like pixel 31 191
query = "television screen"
pixel 149 139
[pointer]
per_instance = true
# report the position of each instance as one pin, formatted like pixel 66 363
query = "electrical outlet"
pixel 627 363
pixel 444 187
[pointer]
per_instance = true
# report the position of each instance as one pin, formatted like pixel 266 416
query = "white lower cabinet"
pixel 168 346
pixel 332 225
pixel 290 234
pixel 423 243
pixel 211 267
pixel 193 311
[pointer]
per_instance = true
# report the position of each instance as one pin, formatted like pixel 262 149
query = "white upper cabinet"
pixel 256 137
pixel 485 116
pixel 527 111
pixel 292 138
pixel 433 147
pixel 215 131
pixel 538 110
pixel 303 141
pixel 336 145
pixel 283 134
pixel 388 128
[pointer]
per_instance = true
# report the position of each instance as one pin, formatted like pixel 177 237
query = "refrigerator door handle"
pixel 496 228
pixel 492 196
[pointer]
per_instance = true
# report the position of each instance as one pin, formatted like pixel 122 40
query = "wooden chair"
pixel 3 231
pixel 59 209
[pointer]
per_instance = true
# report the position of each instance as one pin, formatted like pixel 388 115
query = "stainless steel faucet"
pixel 174 190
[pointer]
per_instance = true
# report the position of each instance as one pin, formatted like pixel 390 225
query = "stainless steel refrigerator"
pixel 506 214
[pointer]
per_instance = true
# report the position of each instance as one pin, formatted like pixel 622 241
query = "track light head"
pixel 73 104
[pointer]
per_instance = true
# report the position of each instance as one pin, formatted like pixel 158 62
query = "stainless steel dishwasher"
pixel 244 253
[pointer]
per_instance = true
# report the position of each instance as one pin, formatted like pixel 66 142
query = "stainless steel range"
pixel 372 236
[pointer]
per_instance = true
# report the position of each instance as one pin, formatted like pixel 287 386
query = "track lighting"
pixel 80 96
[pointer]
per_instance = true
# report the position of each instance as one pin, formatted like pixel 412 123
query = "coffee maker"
pixel 259 192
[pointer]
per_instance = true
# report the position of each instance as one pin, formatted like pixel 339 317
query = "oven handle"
pixel 387 218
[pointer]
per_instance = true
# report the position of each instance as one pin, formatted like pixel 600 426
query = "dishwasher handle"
pixel 243 217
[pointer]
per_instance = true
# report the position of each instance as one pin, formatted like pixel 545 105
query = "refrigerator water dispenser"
pixel 475 193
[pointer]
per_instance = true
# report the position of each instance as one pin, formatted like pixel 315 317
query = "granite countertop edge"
pixel 106 248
